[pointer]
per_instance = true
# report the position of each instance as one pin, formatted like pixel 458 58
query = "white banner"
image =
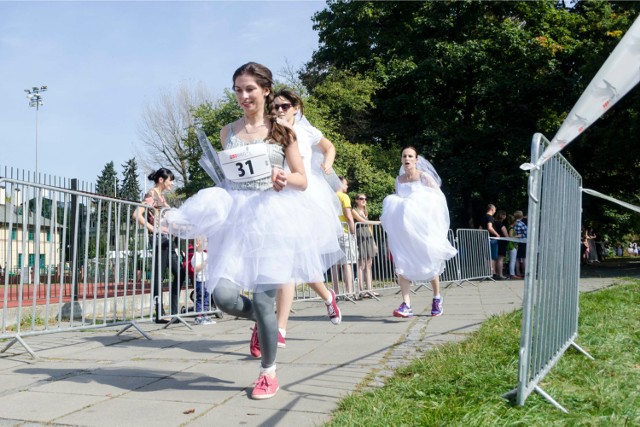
pixel 611 199
pixel 616 77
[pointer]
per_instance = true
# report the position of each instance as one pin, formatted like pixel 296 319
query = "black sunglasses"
pixel 362 198
pixel 285 107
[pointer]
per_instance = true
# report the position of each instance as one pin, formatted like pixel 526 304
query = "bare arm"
pixel 329 151
pixel 140 214
pixel 297 178
pixel 356 216
pixel 492 231
pixel 350 222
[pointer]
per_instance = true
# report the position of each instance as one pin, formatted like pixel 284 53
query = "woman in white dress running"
pixel 289 107
pixel 416 220
pixel 257 226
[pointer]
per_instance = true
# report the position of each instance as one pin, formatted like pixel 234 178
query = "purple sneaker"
pixel 436 307
pixel 403 311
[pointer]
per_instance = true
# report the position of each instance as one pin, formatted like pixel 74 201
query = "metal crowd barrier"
pixel 474 254
pixel 473 262
pixel 552 273
pixel 71 260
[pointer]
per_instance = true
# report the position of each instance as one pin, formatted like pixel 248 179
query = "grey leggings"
pixel 227 297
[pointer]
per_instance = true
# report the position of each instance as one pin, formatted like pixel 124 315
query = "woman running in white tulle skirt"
pixel 416 220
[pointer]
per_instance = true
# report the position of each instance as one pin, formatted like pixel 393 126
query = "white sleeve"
pixel 315 135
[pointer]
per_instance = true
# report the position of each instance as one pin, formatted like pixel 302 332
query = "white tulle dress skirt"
pixel 416 225
pixel 259 240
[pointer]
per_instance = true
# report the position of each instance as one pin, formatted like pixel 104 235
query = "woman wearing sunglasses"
pixel 367 247
pixel 289 108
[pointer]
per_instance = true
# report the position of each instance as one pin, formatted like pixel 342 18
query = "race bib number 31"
pixel 247 163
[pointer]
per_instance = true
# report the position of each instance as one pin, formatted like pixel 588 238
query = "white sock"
pixel 283 332
pixel 437 297
pixel 271 370
pixel 330 300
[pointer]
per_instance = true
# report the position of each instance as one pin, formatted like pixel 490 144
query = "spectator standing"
pixel 500 227
pixel 163 182
pixel 367 247
pixel 486 223
pixel 512 249
pixel 520 229
pixel 347 243
pixel 203 298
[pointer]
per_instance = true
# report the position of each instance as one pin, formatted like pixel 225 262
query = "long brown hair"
pixel 364 208
pixel 278 133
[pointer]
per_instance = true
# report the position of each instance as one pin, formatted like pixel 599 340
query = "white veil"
pixel 423 165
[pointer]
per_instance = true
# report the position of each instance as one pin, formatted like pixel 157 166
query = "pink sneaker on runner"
pixel 281 342
pixel 254 344
pixel 335 316
pixel 265 388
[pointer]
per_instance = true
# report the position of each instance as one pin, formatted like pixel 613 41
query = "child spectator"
pixel 203 299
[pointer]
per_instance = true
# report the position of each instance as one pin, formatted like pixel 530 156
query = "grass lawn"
pixel 462 384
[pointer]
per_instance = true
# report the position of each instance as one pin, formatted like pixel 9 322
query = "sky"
pixel 105 61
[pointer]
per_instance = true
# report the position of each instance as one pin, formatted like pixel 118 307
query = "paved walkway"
pixel 201 377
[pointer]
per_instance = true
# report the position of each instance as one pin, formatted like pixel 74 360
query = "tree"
pixel 107 183
pixel 165 126
pixel 466 82
pixel 130 189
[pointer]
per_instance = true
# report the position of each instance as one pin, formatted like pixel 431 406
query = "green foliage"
pixel 130 189
pixel 463 383
pixel 107 183
pixel 466 82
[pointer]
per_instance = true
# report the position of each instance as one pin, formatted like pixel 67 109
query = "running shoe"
pixel 265 388
pixel 436 307
pixel 254 344
pixel 403 311
pixel 281 341
pixel 335 316
pixel 204 320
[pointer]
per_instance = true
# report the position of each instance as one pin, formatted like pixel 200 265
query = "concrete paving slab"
pixel 202 376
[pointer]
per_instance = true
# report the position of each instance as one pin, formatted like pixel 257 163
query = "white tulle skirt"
pixel 259 239
pixel 325 199
pixel 416 227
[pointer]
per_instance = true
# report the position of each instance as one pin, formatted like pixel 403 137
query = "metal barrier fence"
pixel 474 254
pixel 71 260
pixel 552 273
pixel 371 273
pixel 76 260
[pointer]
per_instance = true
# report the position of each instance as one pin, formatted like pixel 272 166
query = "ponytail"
pixel 163 173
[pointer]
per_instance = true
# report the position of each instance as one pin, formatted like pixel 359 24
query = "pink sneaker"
pixel 254 344
pixel 265 388
pixel 335 316
pixel 281 342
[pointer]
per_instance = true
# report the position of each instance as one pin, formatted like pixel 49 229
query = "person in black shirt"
pixel 486 223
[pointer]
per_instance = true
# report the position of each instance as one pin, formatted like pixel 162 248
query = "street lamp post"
pixel 35 100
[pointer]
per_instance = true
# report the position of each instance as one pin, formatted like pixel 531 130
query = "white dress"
pixel 416 220
pixel 318 190
pixel 257 238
